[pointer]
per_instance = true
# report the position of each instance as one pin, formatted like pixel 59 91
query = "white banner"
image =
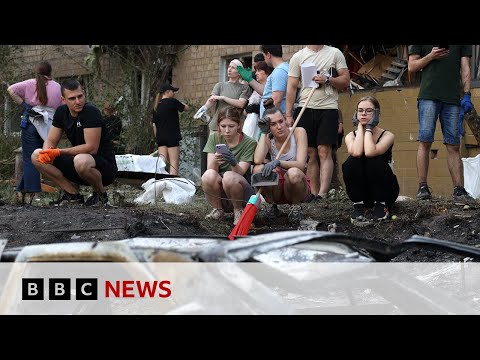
pixel 239 288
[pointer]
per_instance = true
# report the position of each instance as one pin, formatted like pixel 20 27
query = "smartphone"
pixel 222 148
pixel 446 47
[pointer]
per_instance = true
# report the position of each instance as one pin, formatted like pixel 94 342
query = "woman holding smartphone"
pixel 226 181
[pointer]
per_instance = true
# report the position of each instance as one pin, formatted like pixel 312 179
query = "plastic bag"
pixel 175 191
pixel 471 174
pixel 41 117
pixel 250 126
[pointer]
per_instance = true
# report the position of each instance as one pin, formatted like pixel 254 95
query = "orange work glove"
pixel 47 156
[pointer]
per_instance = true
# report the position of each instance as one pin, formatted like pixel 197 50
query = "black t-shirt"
pixel 89 117
pixel 166 119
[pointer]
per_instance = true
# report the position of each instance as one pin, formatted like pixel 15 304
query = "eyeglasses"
pixel 368 110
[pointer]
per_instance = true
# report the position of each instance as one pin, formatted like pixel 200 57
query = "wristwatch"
pixel 327 80
pixel 467 93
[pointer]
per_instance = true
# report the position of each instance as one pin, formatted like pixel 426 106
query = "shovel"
pixel 271 180
pixel 243 225
pixel 259 180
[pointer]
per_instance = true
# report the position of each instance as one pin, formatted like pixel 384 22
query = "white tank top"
pixel 291 155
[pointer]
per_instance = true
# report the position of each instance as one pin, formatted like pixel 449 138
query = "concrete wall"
pixel 399 115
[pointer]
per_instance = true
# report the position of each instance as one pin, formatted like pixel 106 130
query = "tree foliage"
pixel 131 76
pixel 8 143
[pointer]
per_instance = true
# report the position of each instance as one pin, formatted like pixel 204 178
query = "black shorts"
pixel 65 164
pixel 168 143
pixel 321 125
pixel 169 139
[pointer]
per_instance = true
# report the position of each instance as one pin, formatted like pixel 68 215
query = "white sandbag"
pixel 140 163
pixel 174 190
pixel 471 174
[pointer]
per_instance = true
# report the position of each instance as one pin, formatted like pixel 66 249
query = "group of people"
pixel 305 167
pixel 49 111
pixel 276 94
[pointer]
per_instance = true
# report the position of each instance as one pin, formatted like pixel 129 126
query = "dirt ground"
pixel 42 223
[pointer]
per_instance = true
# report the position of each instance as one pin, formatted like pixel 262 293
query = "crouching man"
pixel 89 161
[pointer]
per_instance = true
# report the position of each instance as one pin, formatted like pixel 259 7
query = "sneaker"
pixel 424 193
pixel 237 214
pixel 272 211
pixel 380 211
pixel 215 214
pixel 295 214
pixel 97 199
pixel 460 194
pixel 67 198
pixel 358 212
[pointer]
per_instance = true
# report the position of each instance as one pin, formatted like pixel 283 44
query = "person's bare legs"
pixel 234 185
pixel 296 187
pixel 455 164
pixel 54 174
pixel 326 168
pixel 163 152
pixel 423 160
pixel 313 171
pixel 212 187
pixel 85 168
pixel 174 156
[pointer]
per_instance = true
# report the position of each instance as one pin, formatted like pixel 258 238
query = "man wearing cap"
pixel 166 125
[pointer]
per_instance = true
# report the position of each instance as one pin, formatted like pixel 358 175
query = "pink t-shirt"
pixel 28 92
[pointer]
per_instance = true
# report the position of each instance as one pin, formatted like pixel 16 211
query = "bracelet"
pixel 369 130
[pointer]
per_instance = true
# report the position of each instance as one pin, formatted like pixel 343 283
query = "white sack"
pixel 174 190
pixel 140 163
pixel 471 174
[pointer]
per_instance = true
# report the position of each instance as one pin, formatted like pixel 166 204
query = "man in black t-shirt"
pixel 89 161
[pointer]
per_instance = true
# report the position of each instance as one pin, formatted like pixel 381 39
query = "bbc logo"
pixel 59 289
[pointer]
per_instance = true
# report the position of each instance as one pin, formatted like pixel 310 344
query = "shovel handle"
pixel 295 123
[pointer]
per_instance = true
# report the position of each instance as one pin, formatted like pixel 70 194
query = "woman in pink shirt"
pixel 44 95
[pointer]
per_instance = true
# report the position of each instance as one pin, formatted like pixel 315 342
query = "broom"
pixel 243 225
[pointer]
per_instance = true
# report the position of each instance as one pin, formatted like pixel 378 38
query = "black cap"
pixel 166 87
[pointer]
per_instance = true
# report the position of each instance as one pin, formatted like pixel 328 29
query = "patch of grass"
pixel 7 191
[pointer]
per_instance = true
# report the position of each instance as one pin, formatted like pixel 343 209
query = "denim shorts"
pixel 428 113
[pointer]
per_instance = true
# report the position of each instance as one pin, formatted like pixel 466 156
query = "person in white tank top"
pixel 293 186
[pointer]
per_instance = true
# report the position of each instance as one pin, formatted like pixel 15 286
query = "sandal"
pixel 216 214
